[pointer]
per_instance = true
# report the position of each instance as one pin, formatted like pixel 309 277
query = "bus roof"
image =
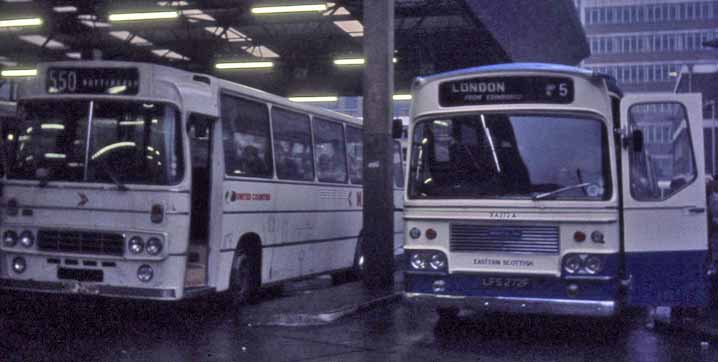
pixel 195 85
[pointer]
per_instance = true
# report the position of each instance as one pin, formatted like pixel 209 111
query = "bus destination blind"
pixel 117 81
pixel 496 90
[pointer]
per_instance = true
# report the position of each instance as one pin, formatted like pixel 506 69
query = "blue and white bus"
pixel 536 188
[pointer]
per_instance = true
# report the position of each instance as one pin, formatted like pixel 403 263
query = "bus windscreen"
pixel 503 155
pixel 129 142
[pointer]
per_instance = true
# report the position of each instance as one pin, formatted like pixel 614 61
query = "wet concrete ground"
pixel 42 328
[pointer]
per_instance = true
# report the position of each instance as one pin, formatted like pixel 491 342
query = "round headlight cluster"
pixel 137 245
pixel 153 246
pixel 145 273
pixel 429 260
pixel 11 238
pixel 27 239
pixel 583 264
pixel 19 265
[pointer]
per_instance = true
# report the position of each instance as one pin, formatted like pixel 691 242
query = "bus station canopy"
pixel 310 50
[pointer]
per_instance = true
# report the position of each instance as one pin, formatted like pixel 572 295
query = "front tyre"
pixel 244 278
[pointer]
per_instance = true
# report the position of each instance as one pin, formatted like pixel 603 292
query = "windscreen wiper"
pixel 558 191
pixel 113 176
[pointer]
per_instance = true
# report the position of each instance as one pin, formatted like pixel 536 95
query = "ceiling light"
pixel 353 61
pixel 314 99
pixel 65 9
pixel 172 3
pixel 289 9
pixel 244 65
pixel 143 16
pixel 19 73
pixel 74 55
pixel 20 22
pixel 401 97
pixel 349 61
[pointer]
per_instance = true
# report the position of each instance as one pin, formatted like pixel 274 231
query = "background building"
pixel 645 43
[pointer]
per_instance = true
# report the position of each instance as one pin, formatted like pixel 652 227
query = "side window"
pixel 292 145
pixel 355 154
pixel 329 151
pixel 198 131
pixel 398 166
pixel 245 127
pixel 665 165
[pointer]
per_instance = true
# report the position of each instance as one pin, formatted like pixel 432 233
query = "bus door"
pixel 665 230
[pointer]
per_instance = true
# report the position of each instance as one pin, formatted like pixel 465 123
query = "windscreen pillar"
pixel 378 209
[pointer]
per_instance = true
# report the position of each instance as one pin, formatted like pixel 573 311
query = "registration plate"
pixel 504 282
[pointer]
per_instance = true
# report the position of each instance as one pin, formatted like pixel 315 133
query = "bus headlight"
pixel 414 233
pixel 145 273
pixel 594 264
pixel 418 261
pixel 19 265
pixel 572 264
pixel 9 238
pixel 136 245
pixel 438 261
pixel 27 239
pixel 154 246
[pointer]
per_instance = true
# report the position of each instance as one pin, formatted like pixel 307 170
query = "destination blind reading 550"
pixel 117 81
pixel 495 90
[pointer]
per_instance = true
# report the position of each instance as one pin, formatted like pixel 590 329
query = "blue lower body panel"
pixel 671 278
pixel 490 285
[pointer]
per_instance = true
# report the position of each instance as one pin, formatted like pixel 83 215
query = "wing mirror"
pixel 634 140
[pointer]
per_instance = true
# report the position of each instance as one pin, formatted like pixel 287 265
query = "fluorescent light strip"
pixel 244 65
pixel 401 97
pixel 353 61
pixel 143 16
pixel 55 126
pixel 314 99
pixel 10 23
pixel 65 9
pixel 19 73
pixel 289 9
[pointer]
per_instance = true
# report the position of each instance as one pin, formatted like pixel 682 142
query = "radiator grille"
pixel 81 242
pixel 504 238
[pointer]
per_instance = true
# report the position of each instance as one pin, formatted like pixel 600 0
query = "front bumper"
pixel 71 287
pixel 570 307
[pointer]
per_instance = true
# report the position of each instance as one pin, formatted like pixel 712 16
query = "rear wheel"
pixel 244 278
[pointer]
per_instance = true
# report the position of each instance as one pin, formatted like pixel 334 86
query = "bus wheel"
pixel 243 280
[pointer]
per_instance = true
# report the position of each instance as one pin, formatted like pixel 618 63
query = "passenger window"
pixel 398 166
pixel 666 164
pixel 292 145
pixel 329 151
pixel 355 154
pixel 246 138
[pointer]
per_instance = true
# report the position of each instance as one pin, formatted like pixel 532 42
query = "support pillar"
pixel 378 212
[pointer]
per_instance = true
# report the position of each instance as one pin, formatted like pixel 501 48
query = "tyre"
pixel 244 278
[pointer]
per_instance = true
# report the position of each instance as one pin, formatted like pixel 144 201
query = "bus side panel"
pixel 675 278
